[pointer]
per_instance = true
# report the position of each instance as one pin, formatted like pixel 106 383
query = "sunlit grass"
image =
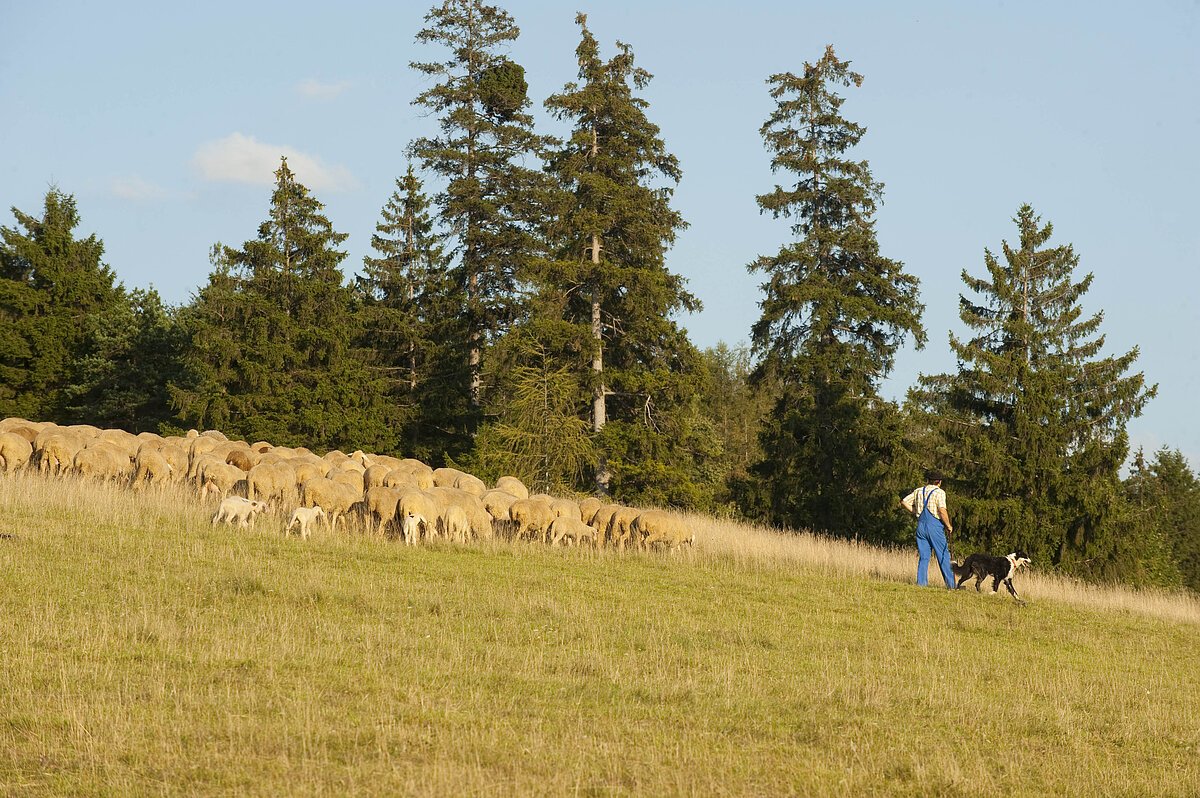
pixel 145 652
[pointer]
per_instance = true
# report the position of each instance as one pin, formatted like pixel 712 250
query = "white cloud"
pixel 135 188
pixel 321 90
pixel 238 158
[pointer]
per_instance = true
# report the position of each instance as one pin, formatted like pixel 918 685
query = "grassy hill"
pixel 144 652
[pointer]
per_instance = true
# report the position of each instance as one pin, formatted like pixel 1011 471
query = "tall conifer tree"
pixel 609 279
pixel 1032 424
pixel 486 141
pixel 834 313
pixel 411 322
pixel 51 283
pixel 273 335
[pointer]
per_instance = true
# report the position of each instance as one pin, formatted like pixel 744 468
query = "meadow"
pixel 145 652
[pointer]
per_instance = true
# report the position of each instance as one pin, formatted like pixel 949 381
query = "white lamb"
pixel 235 508
pixel 302 517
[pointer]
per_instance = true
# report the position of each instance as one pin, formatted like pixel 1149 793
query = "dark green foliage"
pixel 131 353
pixel 52 286
pixel 273 339
pixel 1031 428
pixel 834 313
pixel 665 459
pixel 736 409
pixel 411 324
pixel 1165 495
pixel 490 205
pixel 538 435
pixel 607 281
pixel 503 90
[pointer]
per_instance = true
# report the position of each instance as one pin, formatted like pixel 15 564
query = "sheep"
pixel 423 472
pixel 198 465
pixel 402 478
pixel 102 461
pixel 655 527
pixel 335 497
pixel 572 529
pixel 417 510
pixel 620 526
pixel 26 429
pixel 301 518
pixel 307 468
pixel 471 484
pixel 512 485
pixel 270 481
pixel 243 457
pixel 497 502
pixel 564 507
pixel 56 452
pixel 198 446
pixel 151 468
pixel 375 475
pixel 445 477
pixel 334 456
pixel 532 517
pixel 588 508
pixel 600 521
pixel 15 451
pixel 220 478
pixel 84 432
pixel 348 476
pixel 235 508
pixel 176 457
pixel 383 504
pixel 125 441
pixel 456 525
pixel 482 523
pixel 473 511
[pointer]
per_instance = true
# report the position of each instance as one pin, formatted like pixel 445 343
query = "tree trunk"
pixel 599 407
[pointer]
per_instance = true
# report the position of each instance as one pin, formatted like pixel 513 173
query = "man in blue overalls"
pixel 928 504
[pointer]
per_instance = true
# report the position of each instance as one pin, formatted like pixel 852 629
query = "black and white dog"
pixel 1000 569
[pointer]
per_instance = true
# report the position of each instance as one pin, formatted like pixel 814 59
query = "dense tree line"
pixel 517 316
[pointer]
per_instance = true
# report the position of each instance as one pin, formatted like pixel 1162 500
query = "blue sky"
pixel 165 123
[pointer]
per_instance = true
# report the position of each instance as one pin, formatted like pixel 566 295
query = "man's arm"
pixel 907 503
pixel 945 516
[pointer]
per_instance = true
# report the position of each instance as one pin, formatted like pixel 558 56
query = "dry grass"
pixel 751 544
pixel 146 653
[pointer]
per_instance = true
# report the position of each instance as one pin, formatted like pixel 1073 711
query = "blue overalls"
pixel 931 535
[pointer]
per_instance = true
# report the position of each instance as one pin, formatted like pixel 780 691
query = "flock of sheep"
pixel 389 496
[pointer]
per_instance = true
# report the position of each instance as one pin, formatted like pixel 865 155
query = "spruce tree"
pixel 1031 426
pixel 489 206
pixel 51 284
pixel 1163 512
pixel 273 337
pixel 132 353
pixel 411 322
pixel 1177 511
pixel 612 225
pixel 834 313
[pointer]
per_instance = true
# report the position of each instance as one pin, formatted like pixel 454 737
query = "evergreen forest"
pixel 517 316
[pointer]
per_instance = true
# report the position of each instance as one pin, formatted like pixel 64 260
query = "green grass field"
pixel 144 652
